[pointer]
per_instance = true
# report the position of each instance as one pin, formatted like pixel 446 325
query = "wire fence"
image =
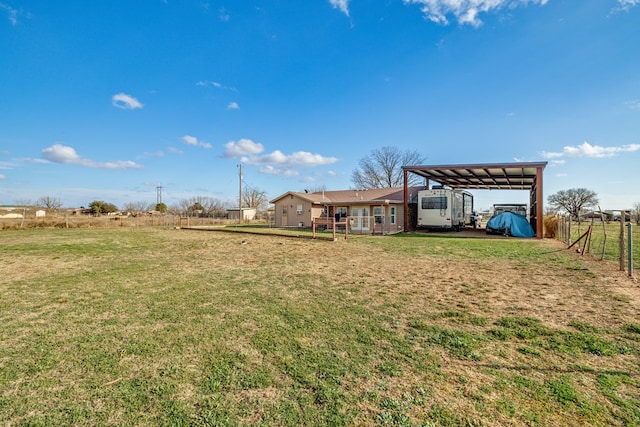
pixel 110 221
pixel 617 241
pixel 352 225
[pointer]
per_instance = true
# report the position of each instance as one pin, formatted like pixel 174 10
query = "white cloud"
pixel 587 150
pixel 242 147
pixel 233 106
pixel 154 154
pixel 466 11
pixel 299 158
pixel 557 163
pixel 625 5
pixel 2 177
pixel 216 85
pixel 343 5
pixel 13 13
pixel 192 140
pixel 270 170
pixel 276 162
pixel 223 14
pixel 174 150
pixel 64 154
pixel 634 104
pixel 332 173
pixel 126 102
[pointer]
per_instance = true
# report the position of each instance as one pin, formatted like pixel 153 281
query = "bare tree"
pixel 196 205
pixel 25 204
pixel 383 168
pixel 175 209
pixel 134 208
pixel 254 198
pixel 214 207
pixel 636 210
pixel 573 200
pixel 49 203
pixel 183 206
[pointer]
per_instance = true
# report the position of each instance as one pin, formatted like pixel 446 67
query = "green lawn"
pixel 151 326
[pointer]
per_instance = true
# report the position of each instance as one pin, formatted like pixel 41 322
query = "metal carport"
pixel 489 176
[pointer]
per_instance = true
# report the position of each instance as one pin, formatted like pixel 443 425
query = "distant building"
pixel 11 216
pixel 248 214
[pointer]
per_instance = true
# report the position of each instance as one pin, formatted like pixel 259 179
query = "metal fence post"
pixel 621 242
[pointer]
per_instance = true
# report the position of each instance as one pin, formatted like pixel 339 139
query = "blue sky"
pixel 107 100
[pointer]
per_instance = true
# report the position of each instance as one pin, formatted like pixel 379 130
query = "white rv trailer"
pixel 445 208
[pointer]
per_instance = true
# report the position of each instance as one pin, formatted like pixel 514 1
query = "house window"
pixel 284 210
pixel 393 214
pixel 378 214
pixel 341 213
pixel 299 210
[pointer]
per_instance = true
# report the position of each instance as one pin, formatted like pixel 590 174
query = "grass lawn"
pixel 153 326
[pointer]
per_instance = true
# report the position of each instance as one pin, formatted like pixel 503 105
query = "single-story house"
pixel 375 211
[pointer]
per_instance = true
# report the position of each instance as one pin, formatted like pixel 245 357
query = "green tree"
pixel 196 208
pixel 383 168
pixel 161 207
pixel 573 200
pixel 99 207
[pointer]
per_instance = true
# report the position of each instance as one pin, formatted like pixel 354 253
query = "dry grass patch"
pixel 152 326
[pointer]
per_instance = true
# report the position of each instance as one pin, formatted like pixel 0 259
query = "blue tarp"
pixel 510 223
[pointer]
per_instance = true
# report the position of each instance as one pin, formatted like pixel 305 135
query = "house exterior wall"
pixel 299 212
pixel 389 222
pixel 295 210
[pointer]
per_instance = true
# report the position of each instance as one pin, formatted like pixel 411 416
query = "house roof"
pixel 353 197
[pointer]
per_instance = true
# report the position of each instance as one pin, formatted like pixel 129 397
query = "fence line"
pixel 616 241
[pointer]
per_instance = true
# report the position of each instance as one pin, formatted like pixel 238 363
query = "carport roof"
pixel 491 176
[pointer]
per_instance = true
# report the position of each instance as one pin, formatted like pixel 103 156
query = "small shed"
pixel 248 214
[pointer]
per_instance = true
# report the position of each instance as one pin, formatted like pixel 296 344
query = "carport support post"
pixel 406 200
pixel 539 210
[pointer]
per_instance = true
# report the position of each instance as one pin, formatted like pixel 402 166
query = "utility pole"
pixel 240 197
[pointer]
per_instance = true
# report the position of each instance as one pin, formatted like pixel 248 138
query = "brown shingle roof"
pixel 381 195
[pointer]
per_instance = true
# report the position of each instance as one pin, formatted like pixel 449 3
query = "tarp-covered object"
pixel 510 223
